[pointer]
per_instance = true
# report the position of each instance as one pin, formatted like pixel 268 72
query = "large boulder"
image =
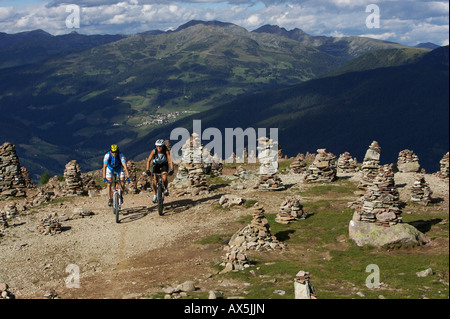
pixel 374 235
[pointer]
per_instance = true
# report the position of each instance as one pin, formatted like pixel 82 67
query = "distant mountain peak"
pixel 206 23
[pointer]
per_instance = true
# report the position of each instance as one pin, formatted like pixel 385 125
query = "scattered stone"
pixel 51 294
pixel 323 169
pixel 346 163
pixel 290 210
pixel 408 162
pixel 302 286
pixel 230 200
pixel 4 292
pixel 421 191
pixel 50 225
pixel 425 273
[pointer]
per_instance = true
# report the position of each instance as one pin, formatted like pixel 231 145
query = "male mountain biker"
pixel 114 162
pixel 160 159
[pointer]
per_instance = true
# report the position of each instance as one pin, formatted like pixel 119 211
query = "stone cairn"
pixel 346 163
pixel 50 225
pixel 133 185
pixel 370 165
pixel 236 259
pixel 256 235
pixel 323 169
pixel 298 166
pixel 12 182
pixel 191 172
pixel 3 221
pixel 408 162
pixel 380 204
pixel 290 210
pixel 421 191
pixel 73 181
pixel 444 171
pixel 26 177
pixel 303 288
pixel 268 158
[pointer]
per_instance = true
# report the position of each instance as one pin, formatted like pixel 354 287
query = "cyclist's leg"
pixel 121 175
pixel 164 170
pixel 108 176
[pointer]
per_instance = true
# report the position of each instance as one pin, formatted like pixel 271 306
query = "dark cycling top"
pixel 160 158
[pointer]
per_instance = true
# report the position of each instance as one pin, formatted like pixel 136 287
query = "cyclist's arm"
pixel 169 159
pixel 149 160
pixel 104 170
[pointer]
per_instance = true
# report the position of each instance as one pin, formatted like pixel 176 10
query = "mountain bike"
pixel 116 196
pixel 159 192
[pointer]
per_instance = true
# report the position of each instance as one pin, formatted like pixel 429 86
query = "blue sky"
pixel 403 21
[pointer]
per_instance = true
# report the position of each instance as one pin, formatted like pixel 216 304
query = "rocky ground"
pixel 145 252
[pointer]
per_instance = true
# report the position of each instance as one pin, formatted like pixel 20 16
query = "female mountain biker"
pixel 160 159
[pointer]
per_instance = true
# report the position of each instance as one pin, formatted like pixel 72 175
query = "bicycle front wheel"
pixel 159 193
pixel 116 206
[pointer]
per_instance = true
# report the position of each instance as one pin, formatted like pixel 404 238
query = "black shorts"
pixel 158 169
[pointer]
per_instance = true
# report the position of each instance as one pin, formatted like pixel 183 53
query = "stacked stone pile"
pixel 346 163
pixel 216 166
pixel 144 182
pixel 73 181
pixel 132 185
pixel 290 210
pixel 408 162
pixel 26 177
pixel 421 191
pixel 303 288
pixel 50 225
pixel 12 182
pixel 298 166
pixel 380 204
pixel 444 171
pixel 197 184
pixel 323 169
pixel 372 157
pixel 240 171
pixel 236 259
pixel 3 221
pixel 256 235
pixel 191 170
pixel 269 183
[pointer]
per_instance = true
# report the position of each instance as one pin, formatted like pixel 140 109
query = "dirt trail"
pixel 135 258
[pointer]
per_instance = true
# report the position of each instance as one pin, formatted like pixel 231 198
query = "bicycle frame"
pixel 159 192
pixel 117 198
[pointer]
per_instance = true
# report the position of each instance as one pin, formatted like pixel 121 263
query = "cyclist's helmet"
pixel 114 148
pixel 159 143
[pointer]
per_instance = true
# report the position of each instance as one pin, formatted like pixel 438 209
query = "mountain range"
pixel 75 102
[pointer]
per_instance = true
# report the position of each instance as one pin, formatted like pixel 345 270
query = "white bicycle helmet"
pixel 159 143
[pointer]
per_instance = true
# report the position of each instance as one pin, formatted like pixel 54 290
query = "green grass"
pixel 320 245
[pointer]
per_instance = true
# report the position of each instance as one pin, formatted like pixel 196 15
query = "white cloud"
pixel 403 21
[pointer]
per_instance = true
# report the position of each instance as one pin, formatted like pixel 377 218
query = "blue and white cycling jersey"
pixel 114 162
